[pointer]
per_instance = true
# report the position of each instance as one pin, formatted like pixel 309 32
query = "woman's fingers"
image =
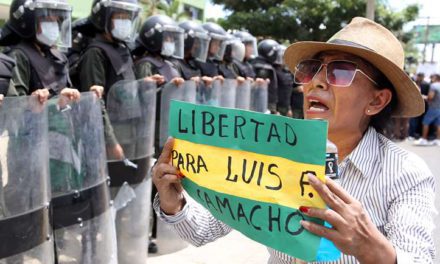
pixel 320 230
pixel 327 215
pixel 165 156
pixel 339 191
pixel 330 198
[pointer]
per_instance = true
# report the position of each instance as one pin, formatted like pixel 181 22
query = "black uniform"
pixel 285 86
pixel 265 70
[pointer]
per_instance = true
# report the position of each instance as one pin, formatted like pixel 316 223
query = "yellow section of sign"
pixel 248 175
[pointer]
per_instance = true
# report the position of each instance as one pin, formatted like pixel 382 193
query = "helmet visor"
pixel 53 24
pixel 122 20
pixel 251 48
pixel 199 49
pixel 280 55
pixel 217 46
pixel 172 42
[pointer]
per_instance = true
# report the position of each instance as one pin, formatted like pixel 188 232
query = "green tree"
pixel 294 20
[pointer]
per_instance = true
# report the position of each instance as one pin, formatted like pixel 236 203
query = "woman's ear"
pixel 381 98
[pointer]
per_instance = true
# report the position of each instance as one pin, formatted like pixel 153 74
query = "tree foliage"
pixel 294 20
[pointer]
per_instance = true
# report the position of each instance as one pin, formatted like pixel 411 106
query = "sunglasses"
pixel 338 73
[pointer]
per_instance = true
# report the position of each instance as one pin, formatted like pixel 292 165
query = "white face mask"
pixel 49 33
pixel 168 49
pixel 121 29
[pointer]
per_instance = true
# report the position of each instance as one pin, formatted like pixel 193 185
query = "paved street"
pixel 235 248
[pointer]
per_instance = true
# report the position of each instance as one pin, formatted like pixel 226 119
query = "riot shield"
pixel 25 230
pixel 211 94
pixel 259 97
pixel 132 222
pixel 185 92
pixel 131 107
pixel 243 96
pixel 82 219
pixel 228 93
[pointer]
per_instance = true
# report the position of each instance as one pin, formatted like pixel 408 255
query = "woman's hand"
pixel 352 230
pixel 167 181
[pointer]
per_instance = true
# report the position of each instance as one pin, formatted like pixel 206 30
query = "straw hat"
pixel 375 44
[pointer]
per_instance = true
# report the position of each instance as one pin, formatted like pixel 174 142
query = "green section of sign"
pixel 273 225
pixel 294 139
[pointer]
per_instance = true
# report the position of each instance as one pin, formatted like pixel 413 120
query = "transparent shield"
pixel 259 97
pixel 228 93
pixel 132 225
pixel 243 96
pixel 184 92
pixel 76 147
pixel 131 107
pixel 91 241
pixel 54 25
pixel 200 47
pixel 173 41
pixel 210 95
pixel 24 181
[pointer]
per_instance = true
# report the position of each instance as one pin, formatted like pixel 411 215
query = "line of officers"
pixel 47 56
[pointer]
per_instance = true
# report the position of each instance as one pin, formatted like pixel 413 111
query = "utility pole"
pixel 370 9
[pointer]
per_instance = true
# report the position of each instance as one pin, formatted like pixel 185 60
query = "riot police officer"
pixel 196 44
pixel 160 40
pixel 267 54
pixel 234 51
pixel 37 31
pixel 244 67
pixel 216 50
pixel 285 83
pixel 107 62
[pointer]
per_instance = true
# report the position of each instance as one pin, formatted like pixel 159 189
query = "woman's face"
pixel 345 108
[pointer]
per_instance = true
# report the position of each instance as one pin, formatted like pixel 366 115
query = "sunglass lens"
pixel 306 70
pixel 341 73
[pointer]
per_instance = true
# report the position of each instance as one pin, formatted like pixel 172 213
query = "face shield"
pixel 122 20
pixel 200 47
pixel 172 42
pixel 251 48
pixel 53 23
pixel 217 46
pixel 280 55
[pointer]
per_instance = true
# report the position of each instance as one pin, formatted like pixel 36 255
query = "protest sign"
pixel 250 171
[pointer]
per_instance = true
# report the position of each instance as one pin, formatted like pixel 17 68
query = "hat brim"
pixel 409 100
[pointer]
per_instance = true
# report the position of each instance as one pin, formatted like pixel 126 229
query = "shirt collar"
pixel 366 152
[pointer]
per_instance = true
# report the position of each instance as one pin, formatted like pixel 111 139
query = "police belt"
pixel 80 206
pixel 24 232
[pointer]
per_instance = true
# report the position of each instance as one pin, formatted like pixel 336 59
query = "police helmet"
pixel 268 49
pixel 196 40
pixel 116 17
pixel 249 41
pixel 218 41
pixel 160 34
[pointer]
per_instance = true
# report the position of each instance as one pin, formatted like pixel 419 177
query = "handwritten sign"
pixel 250 171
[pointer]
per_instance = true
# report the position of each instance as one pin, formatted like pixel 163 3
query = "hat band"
pixel 347 43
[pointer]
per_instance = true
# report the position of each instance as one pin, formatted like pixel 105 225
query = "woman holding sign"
pixel 381 209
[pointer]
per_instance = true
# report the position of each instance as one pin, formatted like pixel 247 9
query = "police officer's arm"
pixel 92 72
pixel 21 74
